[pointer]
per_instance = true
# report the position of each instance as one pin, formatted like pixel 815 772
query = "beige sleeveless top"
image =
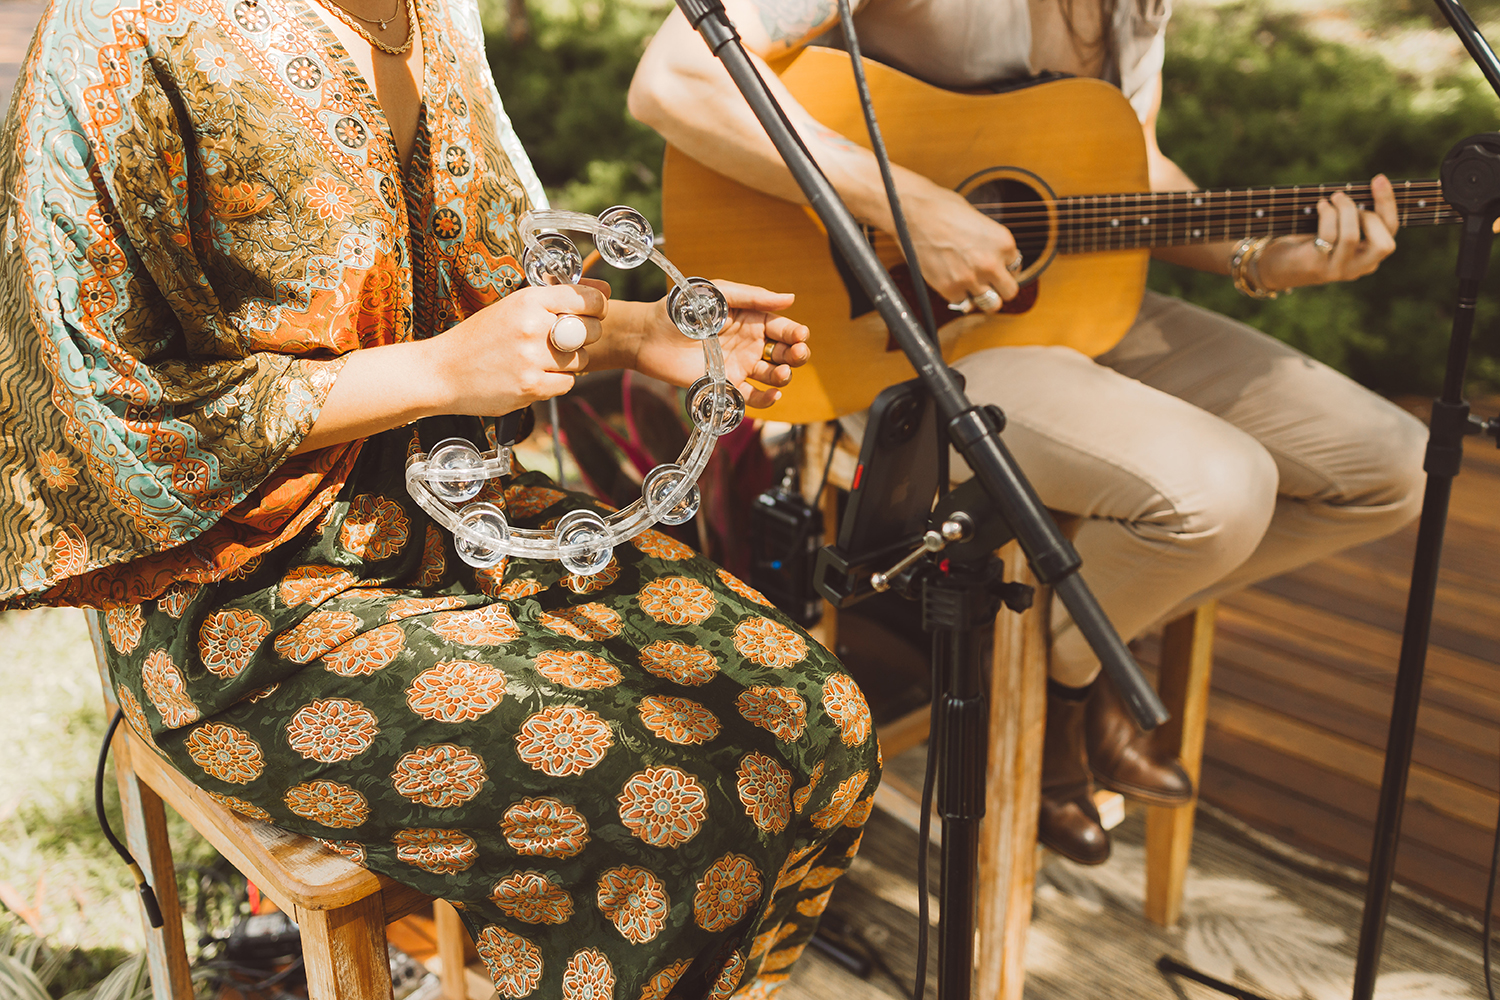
pixel 962 44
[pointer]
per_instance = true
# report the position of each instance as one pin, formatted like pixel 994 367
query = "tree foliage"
pixel 1251 97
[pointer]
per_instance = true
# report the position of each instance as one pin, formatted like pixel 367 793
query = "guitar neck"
pixel 1092 223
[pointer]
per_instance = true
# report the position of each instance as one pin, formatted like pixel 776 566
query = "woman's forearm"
pixel 384 387
pixel 378 388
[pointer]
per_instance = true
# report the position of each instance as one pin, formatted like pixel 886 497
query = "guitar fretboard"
pixel 1092 223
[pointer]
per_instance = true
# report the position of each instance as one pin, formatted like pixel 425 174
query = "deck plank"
pixel 1304 675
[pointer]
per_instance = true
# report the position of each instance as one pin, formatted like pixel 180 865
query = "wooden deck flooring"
pixel 1304 672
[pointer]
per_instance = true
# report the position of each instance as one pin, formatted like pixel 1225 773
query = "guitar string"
pixel 1076 237
pixel 1172 201
pixel 1218 212
pixel 1207 226
pixel 1303 196
pixel 1274 192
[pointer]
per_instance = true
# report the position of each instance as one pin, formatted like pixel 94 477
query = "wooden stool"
pixel 340 908
pixel 1018 682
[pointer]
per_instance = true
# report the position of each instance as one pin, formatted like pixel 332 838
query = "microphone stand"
pixel 974 431
pixel 1471 184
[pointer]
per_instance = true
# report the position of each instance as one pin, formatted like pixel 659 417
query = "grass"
pixel 61 885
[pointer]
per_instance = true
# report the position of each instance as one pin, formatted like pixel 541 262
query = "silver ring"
pixel 1324 247
pixel 568 334
pixel 1014 267
pixel 986 301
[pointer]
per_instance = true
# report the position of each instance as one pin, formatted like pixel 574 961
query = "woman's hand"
pixel 502 358
pixel 664 353
pixel 1350 243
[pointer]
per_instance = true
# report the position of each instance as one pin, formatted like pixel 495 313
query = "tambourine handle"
pixel 515 426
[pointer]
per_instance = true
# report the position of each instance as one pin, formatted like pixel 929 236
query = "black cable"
pixel 929 323
pixel 838 433
pixel 148 897
pixel 924 832
pixel 877 146
pixel 898 215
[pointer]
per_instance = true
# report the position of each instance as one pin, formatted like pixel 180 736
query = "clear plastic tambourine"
pixel 445 481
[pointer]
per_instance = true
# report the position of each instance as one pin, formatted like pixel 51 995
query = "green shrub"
pixel 564 89
pixel 1253 98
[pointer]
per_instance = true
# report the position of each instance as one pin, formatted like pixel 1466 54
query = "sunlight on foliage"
pixel 1252 97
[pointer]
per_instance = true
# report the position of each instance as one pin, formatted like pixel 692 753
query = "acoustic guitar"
pixel 1037 159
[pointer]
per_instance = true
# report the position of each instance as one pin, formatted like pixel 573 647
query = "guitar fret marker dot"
pixel 1145 220
pixel 1197 232
pixel 1421 202
pixel 1259 212
pixel 1114 222
pixel 1197 201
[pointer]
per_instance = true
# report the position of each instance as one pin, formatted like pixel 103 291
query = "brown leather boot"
pixel 1068 822
pixel 1124 759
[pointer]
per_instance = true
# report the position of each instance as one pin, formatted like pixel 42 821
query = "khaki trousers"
pixel 1202 456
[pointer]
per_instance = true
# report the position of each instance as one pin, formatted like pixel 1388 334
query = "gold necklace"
pixel 353 21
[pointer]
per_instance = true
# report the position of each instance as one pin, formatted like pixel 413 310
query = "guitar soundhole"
pixel 1023 210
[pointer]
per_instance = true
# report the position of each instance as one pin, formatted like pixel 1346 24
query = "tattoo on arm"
pixel 788 22
pixel 814 128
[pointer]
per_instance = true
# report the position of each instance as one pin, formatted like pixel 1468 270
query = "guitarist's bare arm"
pixel 1360 237
pixel 683 92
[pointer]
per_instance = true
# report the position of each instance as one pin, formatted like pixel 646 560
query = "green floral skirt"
pixel 636 784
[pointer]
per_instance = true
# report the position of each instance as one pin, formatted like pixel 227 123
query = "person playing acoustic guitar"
pixel 1199 454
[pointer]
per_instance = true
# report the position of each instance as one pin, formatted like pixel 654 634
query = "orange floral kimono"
pixel 637 784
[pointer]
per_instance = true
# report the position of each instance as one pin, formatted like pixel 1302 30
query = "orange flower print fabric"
pixel 562 756
pixel 456 691
pixel 635 901
pixel 533 898
pixel 609 780
pixel 677 600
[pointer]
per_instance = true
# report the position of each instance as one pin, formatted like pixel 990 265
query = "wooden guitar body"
pixel 1061 138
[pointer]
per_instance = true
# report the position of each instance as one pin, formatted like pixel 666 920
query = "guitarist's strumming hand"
pixel 1350 242
pixel 962 251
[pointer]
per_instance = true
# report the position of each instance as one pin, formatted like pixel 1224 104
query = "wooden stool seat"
pixel 340 908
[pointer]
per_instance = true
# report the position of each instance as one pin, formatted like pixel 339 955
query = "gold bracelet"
pixel 1244 267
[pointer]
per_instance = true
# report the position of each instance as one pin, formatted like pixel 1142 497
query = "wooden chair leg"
pixel 344 951
pixel 146 836
pixel 1007 839
pixel 450 949
pixel 817 441
pixel 1186 666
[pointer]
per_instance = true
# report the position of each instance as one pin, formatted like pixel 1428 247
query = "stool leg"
pixel 146 836
pixel 450 949
pixel 817 440
pixel 344 951
pixel 1187 657
pixel 1007 838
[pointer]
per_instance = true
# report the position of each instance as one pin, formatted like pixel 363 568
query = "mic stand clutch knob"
pixel 956 528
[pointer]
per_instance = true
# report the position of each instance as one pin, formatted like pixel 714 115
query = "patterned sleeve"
pixel 134 411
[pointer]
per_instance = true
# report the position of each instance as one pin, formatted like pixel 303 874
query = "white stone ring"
pixel 569 333
pixel 1324 247
pixel 986 301
pixel 1014 266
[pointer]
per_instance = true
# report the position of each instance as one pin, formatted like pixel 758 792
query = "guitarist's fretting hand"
pixel 1360 241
